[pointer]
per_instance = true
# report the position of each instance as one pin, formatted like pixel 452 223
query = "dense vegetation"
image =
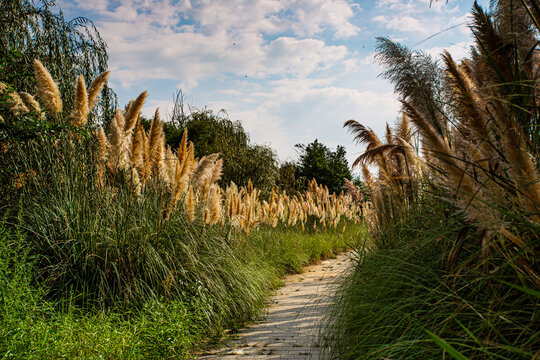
pixel 244 161
pixel 454 269
pixel 37 30
pixel 317 161
pixel 113 244
pixel 216 133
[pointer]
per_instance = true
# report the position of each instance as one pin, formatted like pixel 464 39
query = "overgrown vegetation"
pixel 454 271
pixel 38 30
pixel 212 133
pixel 119 240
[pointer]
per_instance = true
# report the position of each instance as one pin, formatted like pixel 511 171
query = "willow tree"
pixel 37 29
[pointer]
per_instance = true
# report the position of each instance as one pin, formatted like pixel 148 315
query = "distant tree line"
pixel 243 161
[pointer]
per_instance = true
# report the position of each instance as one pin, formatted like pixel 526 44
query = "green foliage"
pixel 95 271
pixel 329 168
pixel 415 76
pixel 37 30
pixel 286 179
pixel 396 293
pixel 454 275
pixel 216 133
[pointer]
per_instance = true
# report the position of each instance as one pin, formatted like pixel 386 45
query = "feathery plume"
pixel 47 89
pixel 156 146
pixel 137 149
pixel 214 205
pixel 182 149
pixel 132 114
pixel 217 171
pixel 102 148
pixel 203 171
pixel 146 143
pixel 367 177
pixel 30 102
pixel 190 205
pixel 15 103
pixel 95 88
pixel 119 146
pixel 102 143
pixel 79 114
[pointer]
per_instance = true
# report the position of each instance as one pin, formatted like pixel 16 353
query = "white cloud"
pixel 288 69
pixel 299 111
pixel 423 17
pixel 165 108
pixel 458 51
pixel 404 24
pixel 188 41
pixel 230 92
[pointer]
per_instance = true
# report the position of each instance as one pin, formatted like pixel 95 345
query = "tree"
pixel 31 30
pixel 216 133
pixel 286 178
pixel 328 167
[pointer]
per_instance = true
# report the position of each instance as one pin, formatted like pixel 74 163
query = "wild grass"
pixel 454 271
pixel 219 291
pixel 396 294
pixel 130 249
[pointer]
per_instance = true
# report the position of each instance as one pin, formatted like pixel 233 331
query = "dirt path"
pixel 291 326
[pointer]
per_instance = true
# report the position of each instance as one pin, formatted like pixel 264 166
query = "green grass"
pixel 407 301
pixel 93 271
pixel 221 280
pixel 32 327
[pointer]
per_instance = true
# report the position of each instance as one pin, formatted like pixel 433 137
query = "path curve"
pixel 291 326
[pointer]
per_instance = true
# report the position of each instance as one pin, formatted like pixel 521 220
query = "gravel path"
pixel 291 327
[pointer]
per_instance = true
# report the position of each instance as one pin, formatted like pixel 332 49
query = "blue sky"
pixel 290 70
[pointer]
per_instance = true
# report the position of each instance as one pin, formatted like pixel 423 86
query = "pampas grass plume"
pixel 15 103
pixel 47 89
pixel 182 149
pixel 156 145
pixel 190 205
pixel 95 88
pixel 79 114
pixel 30 102
pixel 132 113
pixel 137 149
pixel 217 171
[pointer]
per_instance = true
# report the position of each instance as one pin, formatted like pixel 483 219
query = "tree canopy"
pixel 216 133
pixel 38 30
pixel 318 162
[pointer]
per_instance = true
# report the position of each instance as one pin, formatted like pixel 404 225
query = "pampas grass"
pixel 79 114
pixel 47 89
pixel 30 102
pixel 156 146
pixel 14 101
pixel 95 88
pixel 132 113
pixel 143 161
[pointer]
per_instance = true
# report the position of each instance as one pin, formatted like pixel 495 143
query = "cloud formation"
pixel 291 70
pixel 188 41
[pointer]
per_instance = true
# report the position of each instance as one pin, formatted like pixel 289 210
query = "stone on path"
pixel 291 327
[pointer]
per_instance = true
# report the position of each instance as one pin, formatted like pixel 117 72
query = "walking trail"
pixel 290 329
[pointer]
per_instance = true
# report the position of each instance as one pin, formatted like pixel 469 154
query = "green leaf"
pixel 531 292
pixel 447 347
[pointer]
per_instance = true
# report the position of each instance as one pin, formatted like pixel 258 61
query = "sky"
pixel 291 71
